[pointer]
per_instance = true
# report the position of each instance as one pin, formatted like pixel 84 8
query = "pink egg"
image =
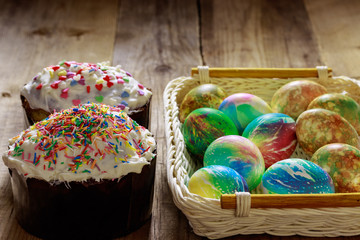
pixel 275 136
pixel 242 108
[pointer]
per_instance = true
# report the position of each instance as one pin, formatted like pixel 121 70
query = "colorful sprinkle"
pixel 62 73
pixel 55 85
pixel 73 82
pixel 121 106
pixel 70 74
pixel 64 93
pixel 82 81
pixel 39 86
pixel 125 94
pixel 99 98
pixel 109 84
pixel 107 78
pixel 100 81
pixel 62 78
pixel 98 86
pixel 76 102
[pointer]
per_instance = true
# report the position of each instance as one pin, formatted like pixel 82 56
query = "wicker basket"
pixel 307 215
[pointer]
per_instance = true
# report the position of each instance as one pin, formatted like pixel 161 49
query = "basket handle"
pixel 230 201
pixel 265 72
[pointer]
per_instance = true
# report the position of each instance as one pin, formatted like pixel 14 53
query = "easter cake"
pixel 86 172
pixel 70 83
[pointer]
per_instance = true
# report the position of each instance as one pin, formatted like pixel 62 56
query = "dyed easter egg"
pixel 205 95
pixel 242 108
pixel 296 175
pixel 294 97
pixel 213 181
pixel 203 126
pixel 275 136
pixel 238 153
pixel 318 127
pixel 342 162
pixel 342 104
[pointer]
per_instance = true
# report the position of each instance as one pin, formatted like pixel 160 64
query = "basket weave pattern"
pixel 205 215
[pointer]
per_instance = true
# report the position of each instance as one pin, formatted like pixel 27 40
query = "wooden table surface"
pixel 157 41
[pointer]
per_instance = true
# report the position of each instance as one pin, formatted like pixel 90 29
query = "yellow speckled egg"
pixel 342 162
pixel 205 95
pixel 293 98
pixel 342 104
pixel 318 127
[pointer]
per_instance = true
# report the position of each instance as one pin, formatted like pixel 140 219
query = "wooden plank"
pixel 336 25
pixel 257 34
pixel 228 201
pixel 158 42
pixel 262 72
pixel 35 34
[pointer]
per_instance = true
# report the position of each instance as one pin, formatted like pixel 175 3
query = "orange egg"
pixel 293 98
pixel 342 104
pixel 205 95
pixel 342 162
pixel 318 127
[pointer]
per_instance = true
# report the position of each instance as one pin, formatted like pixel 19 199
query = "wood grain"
pixel 335 25
pixel 155 46
pixel 228 201
pixel 263 72
pixel 257 34
pixel 35 34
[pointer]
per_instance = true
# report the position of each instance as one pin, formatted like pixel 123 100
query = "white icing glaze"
pixel 108 145
pixel 70 83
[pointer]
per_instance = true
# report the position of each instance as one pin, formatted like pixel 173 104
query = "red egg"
pixel 274 134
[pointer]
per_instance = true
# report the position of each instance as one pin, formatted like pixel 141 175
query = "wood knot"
pixel 163 68
pixel 5 94
pixel 75 32
pixel 41 32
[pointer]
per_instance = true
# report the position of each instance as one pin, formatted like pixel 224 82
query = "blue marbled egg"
pixel 215 180
pixel 238 153
pixel 296 175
